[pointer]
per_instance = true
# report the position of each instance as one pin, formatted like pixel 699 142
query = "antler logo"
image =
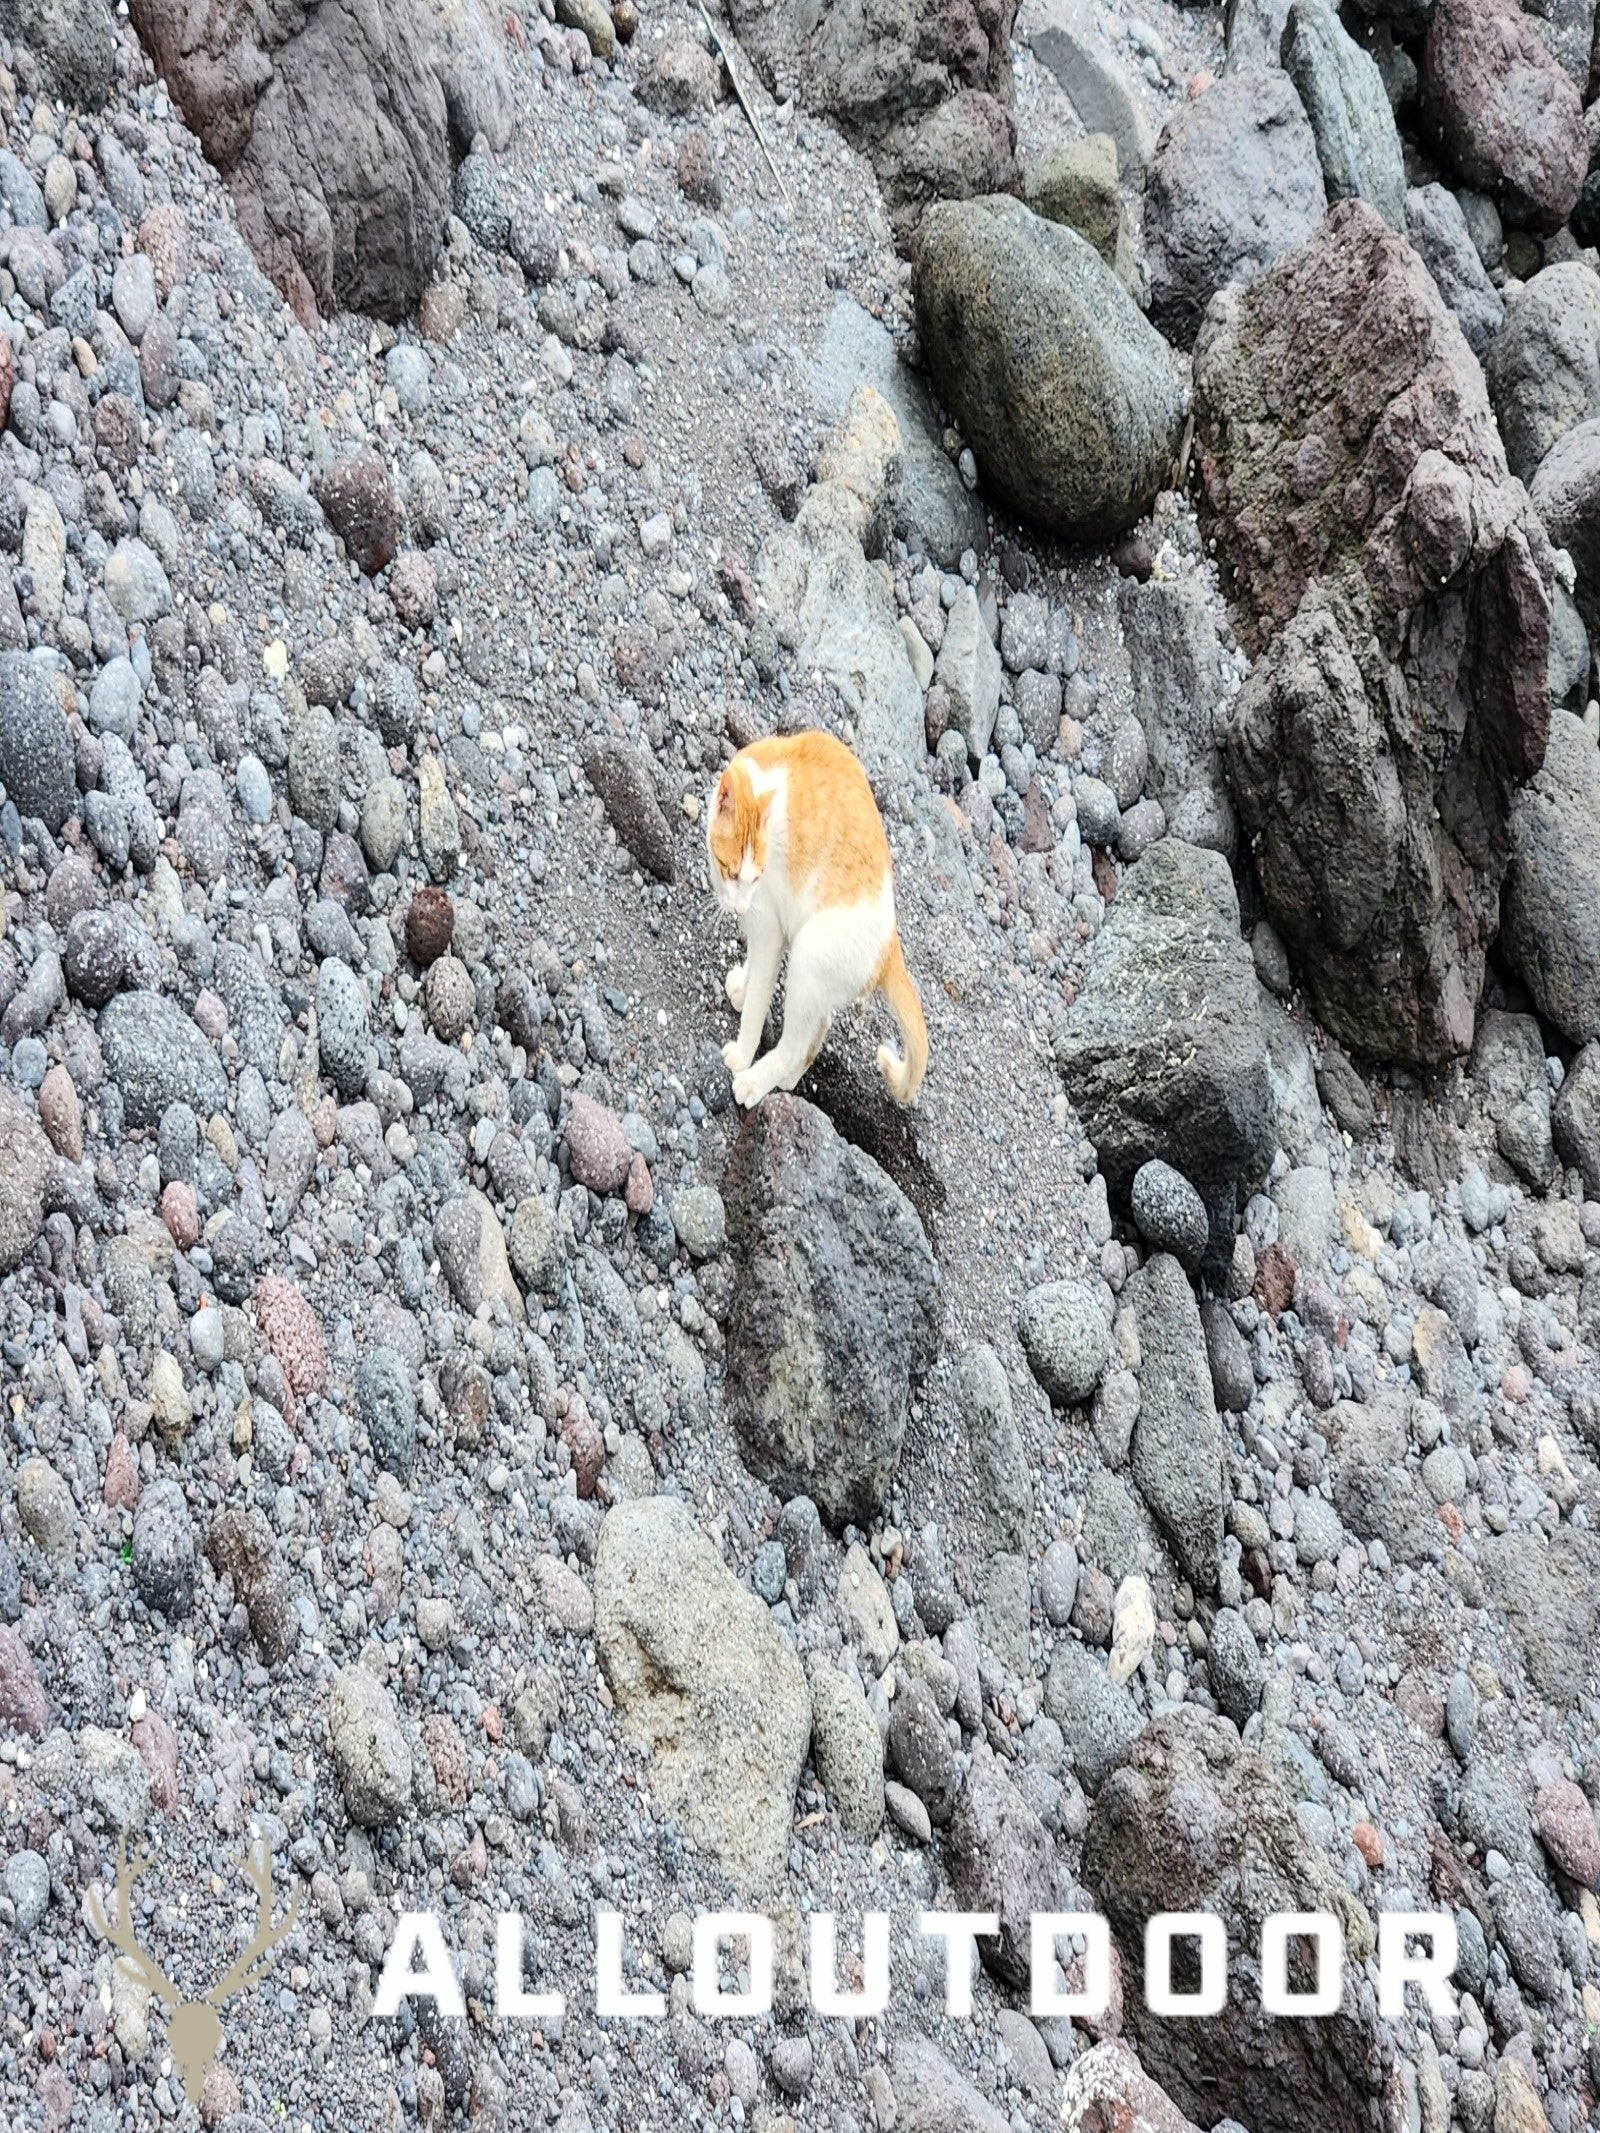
pixel 195 2027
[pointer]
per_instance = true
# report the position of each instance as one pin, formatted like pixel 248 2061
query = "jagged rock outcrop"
pixel 1393 586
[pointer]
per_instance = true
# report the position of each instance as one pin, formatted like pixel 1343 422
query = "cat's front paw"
pixel 736 985
pixel 748 1088
pixel 735 1058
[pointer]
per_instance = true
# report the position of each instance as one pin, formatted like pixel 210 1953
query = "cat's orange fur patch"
pixel 835 846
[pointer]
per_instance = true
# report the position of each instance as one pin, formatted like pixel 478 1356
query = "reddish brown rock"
pixel 1567 1830
pixel 1107 2091
pixel 180 1214
pixel 581 1435
pixel 289 1327
pixel 120 1488
pixel 429 922
pixel 640 1191
pixel 332 129
pixel 157 1748
pixel 60 1113
pixel 1502 112
pixel 597 1146
pixel 1273 1288
pixel 448 1755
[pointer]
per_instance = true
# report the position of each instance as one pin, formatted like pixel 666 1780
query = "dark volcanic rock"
pixel 1393 585
pixel 362 508
pixel 74 45
pixel 36 760
pixel 1566 495
pixel 620 775
pixel 1162 1052
pixel 1002 1861
pixel 1195 1821
pixel 1344 96
pixel 836 1312
pixel 159 1057
pixel 1234 185
pixel 27 1165
pixel 1438 230
pixel 331 127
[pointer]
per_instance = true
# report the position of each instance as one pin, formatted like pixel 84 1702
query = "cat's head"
pixel 736 836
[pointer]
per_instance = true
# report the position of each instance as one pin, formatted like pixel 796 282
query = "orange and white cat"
pixel 798 855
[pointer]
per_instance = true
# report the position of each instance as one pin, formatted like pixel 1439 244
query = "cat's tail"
pixel 903 1074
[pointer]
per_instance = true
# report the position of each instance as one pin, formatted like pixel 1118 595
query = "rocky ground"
pixel 443 1437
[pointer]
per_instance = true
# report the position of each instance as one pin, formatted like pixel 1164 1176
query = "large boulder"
pixel 1178 1447
pixel 1544 363
pixel 1545 1589
pixel 707 1683
pixel 1342 90
pixel 1235 183
pixel 1376 1494
pixel 1195 1821
pixel 331 127
pixel 1392 584
pixel 1501 112
pixel 1162 1052
pixel 1066 394
pixel 922 87
pixel 1550 908
pixel 930 2096
pixel 836 1311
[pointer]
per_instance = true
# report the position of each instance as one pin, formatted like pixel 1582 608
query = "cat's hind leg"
pixel 736 985
pixel 815 989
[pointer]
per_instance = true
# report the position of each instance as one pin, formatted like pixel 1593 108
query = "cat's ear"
pixel 725 793
pixel 764 805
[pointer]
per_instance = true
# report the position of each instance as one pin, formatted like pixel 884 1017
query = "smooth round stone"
pixel 26 1882
pixel 114 699
pixel 1099 816
pixel 254 789
pixel 30 1062
pixel 699 1219
pixel 770 1571
pixel 1058 1582
pixel 205 1338
pixel 406 368
pixel 1171 1215
pixel 1066 1339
